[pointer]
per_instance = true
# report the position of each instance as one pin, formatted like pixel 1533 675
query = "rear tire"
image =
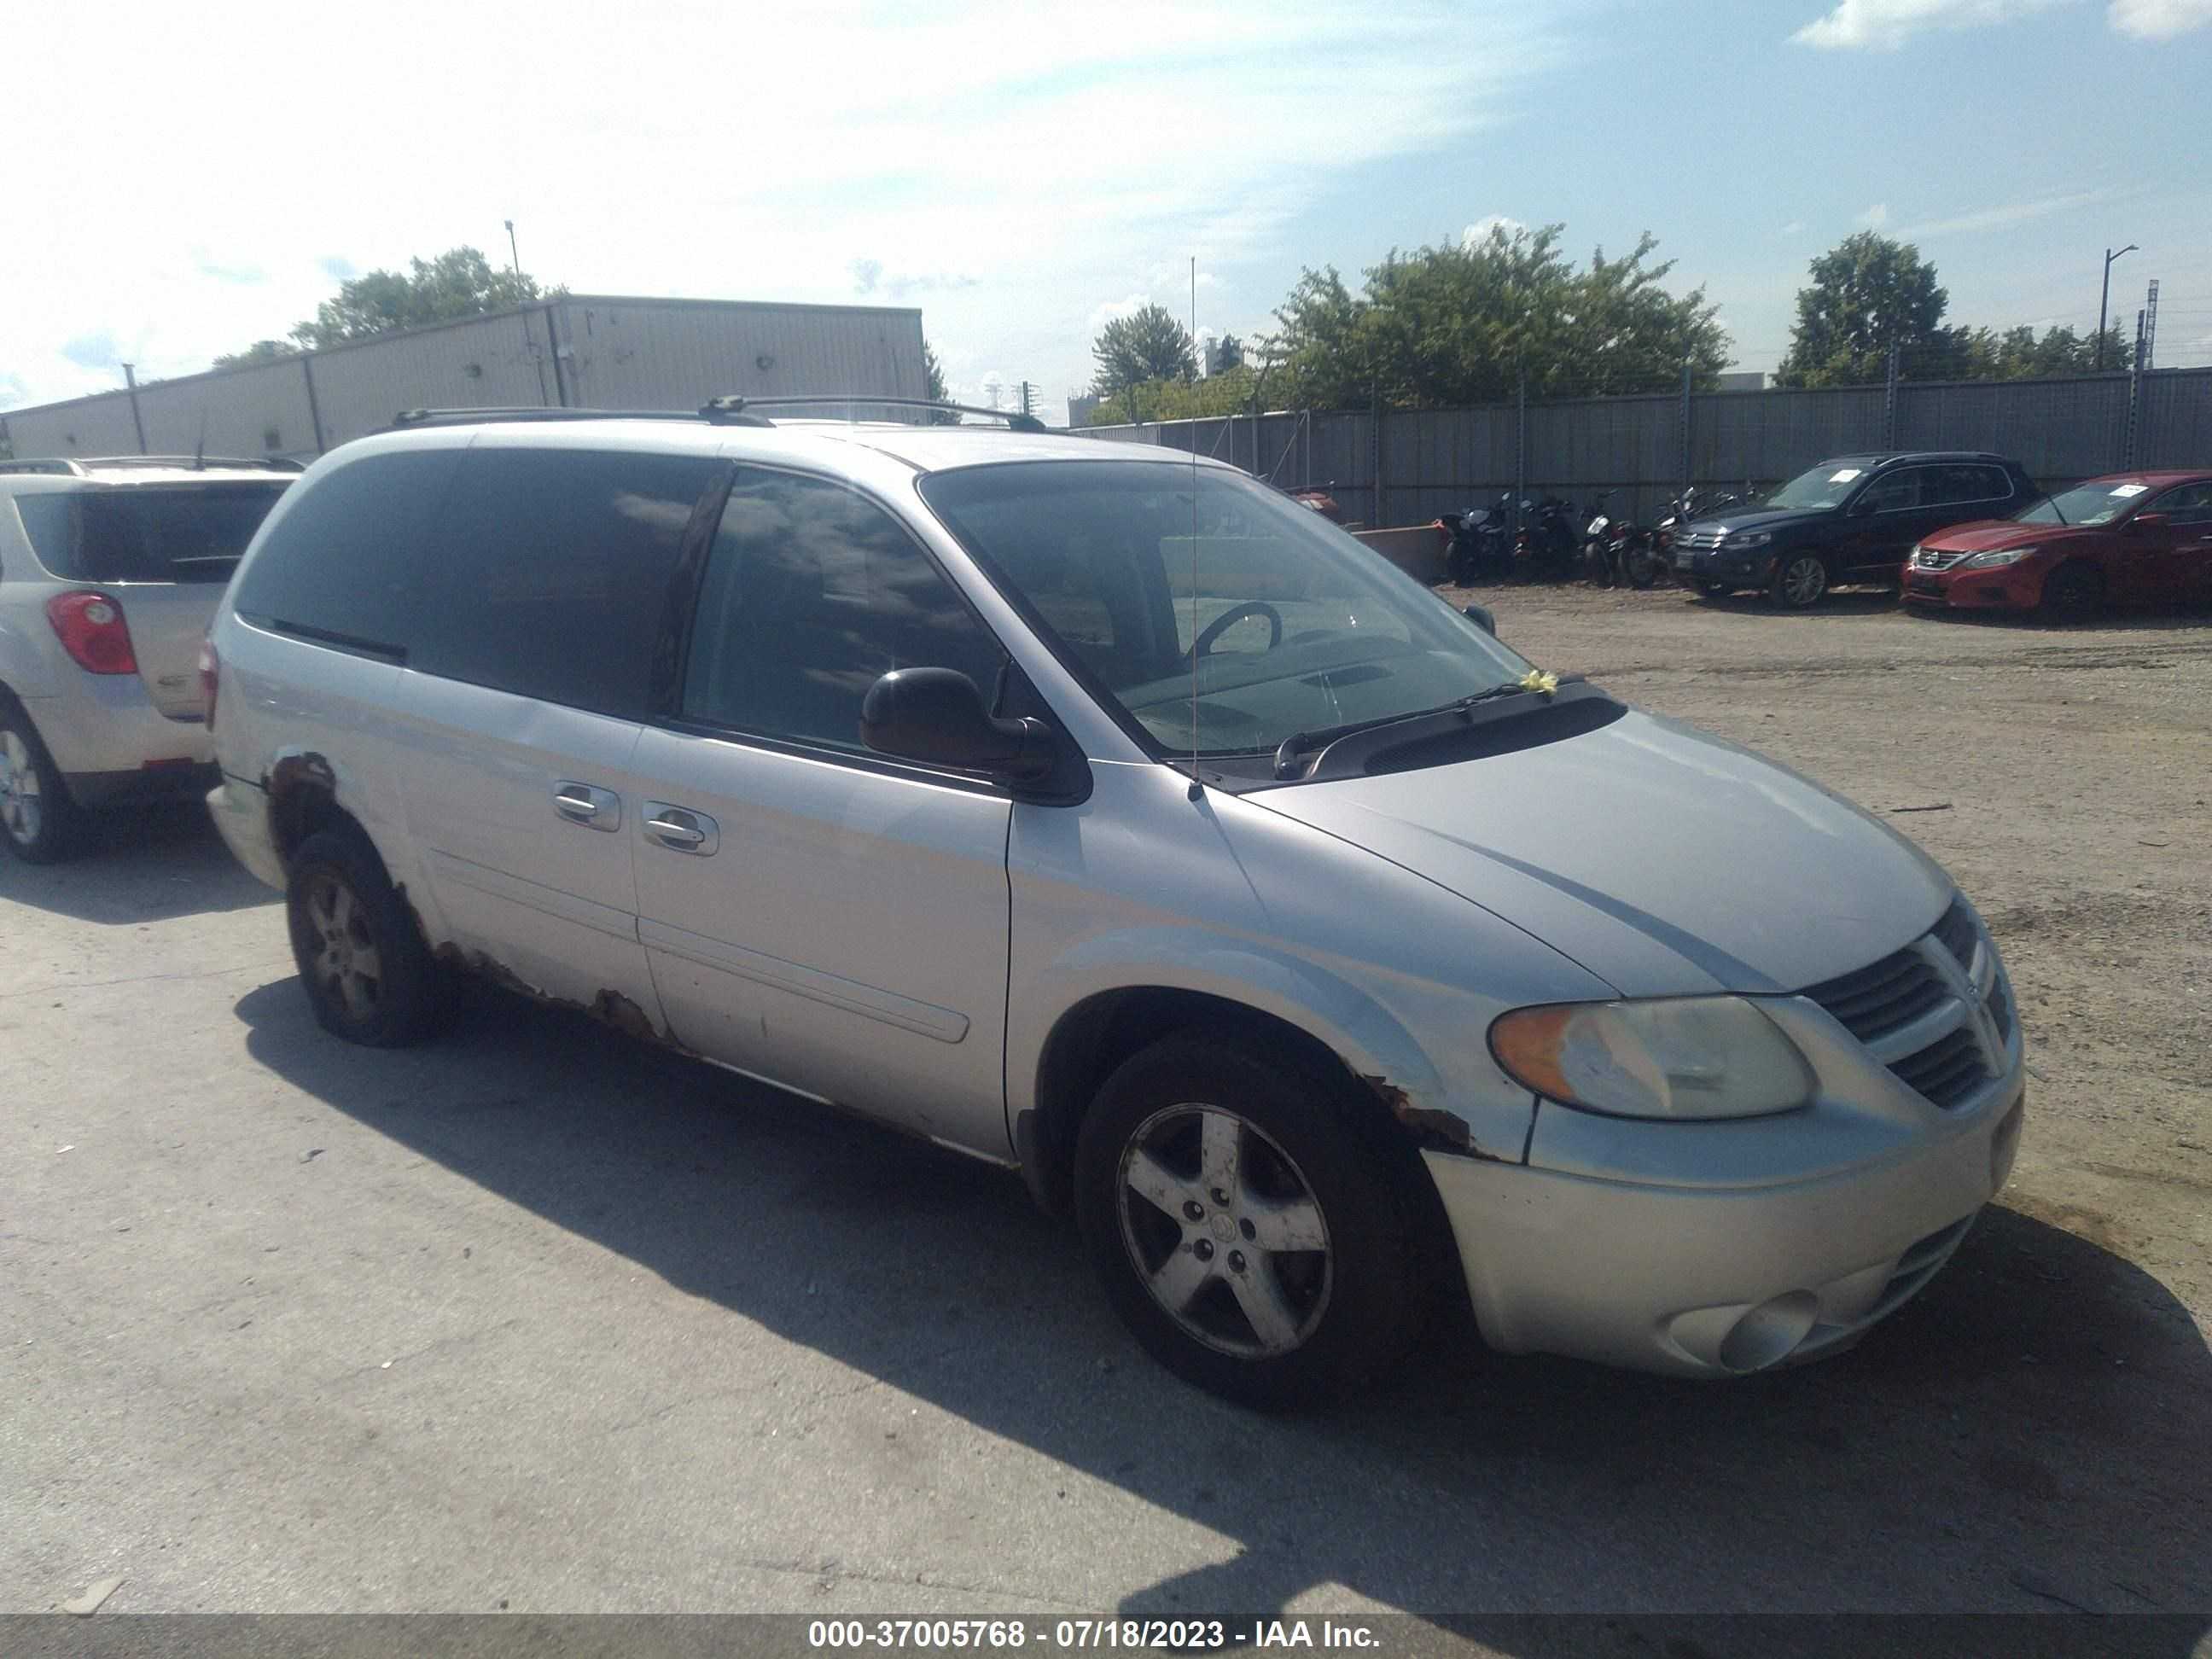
pixel 367 974
pixel 1312 1279
pixel 1800 581
pixel 39 820
pixel 2071 593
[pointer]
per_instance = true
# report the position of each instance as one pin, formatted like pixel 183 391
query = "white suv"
pixel 1107 815
pixel 110 570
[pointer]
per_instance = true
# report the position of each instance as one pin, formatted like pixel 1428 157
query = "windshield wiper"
pixel 1294 749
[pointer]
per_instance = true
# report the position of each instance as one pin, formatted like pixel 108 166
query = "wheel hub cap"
pixel 21 807
pixel 1224 1231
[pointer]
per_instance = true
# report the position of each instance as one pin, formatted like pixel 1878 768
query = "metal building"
pixel 584 350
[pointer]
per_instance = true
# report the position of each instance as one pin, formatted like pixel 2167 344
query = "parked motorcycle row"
pixel 1549 539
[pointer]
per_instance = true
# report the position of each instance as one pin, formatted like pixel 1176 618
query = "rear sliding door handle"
pixel 681 829
pixel 588 804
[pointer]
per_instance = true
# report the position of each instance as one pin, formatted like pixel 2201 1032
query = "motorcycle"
pixel 1475 546
pixel 1544 549
pixel 1680 511
pixel 1613 549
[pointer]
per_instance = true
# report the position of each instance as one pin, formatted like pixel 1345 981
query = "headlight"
pixel 1918 556
pixel 1682 1057
pixel 1751 538
pixel 1993 561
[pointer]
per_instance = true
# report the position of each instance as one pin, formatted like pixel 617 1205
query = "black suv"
pixel 1852 519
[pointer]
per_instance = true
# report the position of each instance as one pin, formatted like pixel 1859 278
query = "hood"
pixel 1662 860
pixel 1989 535
pixel 1761 518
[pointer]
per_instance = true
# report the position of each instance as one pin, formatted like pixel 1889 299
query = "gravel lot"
pixel 537 1319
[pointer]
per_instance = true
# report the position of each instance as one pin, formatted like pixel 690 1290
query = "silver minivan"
pixel 1103 814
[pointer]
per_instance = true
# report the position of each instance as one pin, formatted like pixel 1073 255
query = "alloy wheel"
pixel 1804 578
pixel 346 966
pixel 1224 1231
pixel 22 805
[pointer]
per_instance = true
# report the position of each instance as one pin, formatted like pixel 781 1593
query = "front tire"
pixel 367 974
pixel 2071 593
pixel 1800 581
pixel 39 820
pixel 1256 1225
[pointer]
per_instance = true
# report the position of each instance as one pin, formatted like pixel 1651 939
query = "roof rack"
pixel 83 466
pixel 409 418
pixel 734 404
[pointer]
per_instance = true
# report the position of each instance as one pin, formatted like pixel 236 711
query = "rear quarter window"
pixel 147 533
pixel 345 563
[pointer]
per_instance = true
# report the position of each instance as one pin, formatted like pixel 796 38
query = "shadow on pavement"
pixel 140 864
pixel 2035 1433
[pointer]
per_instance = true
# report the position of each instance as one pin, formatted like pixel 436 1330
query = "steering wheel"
pixel 1221 625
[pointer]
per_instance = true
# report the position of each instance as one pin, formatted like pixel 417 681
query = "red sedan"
pixel 2128 539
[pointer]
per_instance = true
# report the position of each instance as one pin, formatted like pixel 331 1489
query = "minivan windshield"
pixel 2090 503
pixel 146 532
pixel 1152 579
pixel 1826 485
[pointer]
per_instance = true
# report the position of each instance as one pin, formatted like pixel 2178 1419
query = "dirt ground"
pixel 2062 776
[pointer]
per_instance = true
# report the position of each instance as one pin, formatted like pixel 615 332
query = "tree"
pixel 1462 323
pixel 2019 353
pixel 1149 344
pixel 1870 294
pixel 459 283
pixel 261 351
pixel 932 373
pixel 1229 392
pixel 1226 353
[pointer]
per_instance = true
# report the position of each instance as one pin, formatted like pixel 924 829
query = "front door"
pixel 1881 525
pixel 816 915
pixel 2177 562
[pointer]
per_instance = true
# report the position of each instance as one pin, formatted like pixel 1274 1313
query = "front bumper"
pixel 1750 568
pixel 2008 587
pixel 1684 1274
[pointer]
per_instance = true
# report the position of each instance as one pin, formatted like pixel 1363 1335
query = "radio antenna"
pixel 1197 789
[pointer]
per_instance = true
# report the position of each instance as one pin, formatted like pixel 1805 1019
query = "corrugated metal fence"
pixel 1424 462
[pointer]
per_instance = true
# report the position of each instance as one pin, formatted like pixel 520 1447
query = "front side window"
pixel 551 572
pixel 1208 609
pixel 146 532
pixel 2190 504
pixel 1896 492
pixel 811 593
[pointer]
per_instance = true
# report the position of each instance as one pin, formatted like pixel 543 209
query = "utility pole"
pixel 137 422
pixel 2105 297
pixel 514 254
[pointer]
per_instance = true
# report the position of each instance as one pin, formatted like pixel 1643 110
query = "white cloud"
pixel 2159 19
pixel 1792 228
pixel 1480 229
pixel 2002 217
pixel 992 164
pixel 1887 25
pixel 1876 216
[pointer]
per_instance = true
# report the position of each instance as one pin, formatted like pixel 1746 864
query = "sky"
pixel 183 187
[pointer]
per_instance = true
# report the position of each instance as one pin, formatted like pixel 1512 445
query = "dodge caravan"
pixel 1105 815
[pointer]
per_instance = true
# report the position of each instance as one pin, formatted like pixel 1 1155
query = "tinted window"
pixel 551 572
pixel 1898 489
pixel 344 562
pixel 2191 504
pixel 1966 484
pixel 183 533
pixel 812 592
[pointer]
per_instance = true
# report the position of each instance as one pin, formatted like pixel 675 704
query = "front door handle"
pixel 681 829
pixel 588 804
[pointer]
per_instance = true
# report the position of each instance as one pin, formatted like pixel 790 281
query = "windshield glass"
pixel 1298 627
pixel 2090 503
pixel 180 533
pixel 1826 485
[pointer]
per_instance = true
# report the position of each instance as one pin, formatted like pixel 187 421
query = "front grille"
pixel 1703 540
pixel 1947 1070
pixel 1875 1001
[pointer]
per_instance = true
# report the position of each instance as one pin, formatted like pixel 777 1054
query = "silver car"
pixel 1102 814
pixel 110 570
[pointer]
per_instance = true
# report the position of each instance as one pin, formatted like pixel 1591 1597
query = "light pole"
pixel 2103 295
pixel 514 259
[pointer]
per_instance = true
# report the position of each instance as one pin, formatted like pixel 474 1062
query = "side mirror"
pixel 937 716
pixel 1480 616
pixel 2149 521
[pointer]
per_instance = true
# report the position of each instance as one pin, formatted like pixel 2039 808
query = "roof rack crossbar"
pixel 55 467
pixel 737 403
pixel 197 463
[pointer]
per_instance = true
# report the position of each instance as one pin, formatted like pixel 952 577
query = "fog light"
pixel 1770 1332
